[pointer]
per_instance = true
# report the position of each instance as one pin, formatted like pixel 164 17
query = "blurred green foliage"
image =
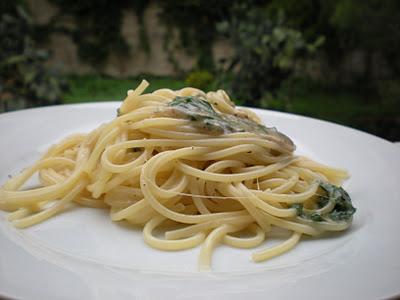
pixel 25 81
pixel 340 105
pixel 200 79
pixel 389 91
pixel 371 26
pixel 266 51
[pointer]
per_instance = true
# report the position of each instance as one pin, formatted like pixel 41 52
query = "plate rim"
pixel 262 111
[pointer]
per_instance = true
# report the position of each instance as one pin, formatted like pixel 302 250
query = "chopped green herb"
pixel 299 208
pixel 204 116
pixel 322 201
pixel 343 209
pixel 316 217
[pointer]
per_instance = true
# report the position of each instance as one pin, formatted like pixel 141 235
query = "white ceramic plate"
pixel 81 254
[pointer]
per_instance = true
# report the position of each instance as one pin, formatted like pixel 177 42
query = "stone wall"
pixel 65 55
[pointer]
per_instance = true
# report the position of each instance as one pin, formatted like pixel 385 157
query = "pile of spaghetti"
pixel 192 163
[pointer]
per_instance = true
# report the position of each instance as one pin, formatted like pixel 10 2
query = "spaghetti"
pixel 191 162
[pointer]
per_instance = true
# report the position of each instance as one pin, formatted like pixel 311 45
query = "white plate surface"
pixel 82 254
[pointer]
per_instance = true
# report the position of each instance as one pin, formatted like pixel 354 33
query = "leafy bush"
pixel 369 26
pixel 267 51
pixel 200 79
pixel 275 102
pixel 372 26
pixel 24 79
